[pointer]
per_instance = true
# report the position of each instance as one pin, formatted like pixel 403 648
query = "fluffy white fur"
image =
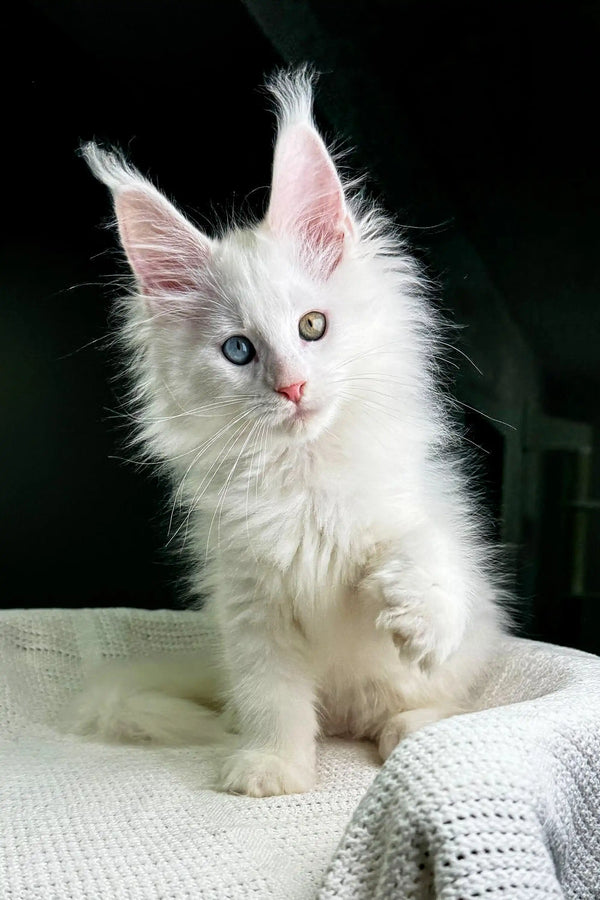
pixel 342 561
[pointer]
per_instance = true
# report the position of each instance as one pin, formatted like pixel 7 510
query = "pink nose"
pixel 293 391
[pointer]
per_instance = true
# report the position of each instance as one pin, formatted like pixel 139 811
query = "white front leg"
pixel 271 699
pixel 423 588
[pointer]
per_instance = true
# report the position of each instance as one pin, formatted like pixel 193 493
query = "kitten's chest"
pixel 316 534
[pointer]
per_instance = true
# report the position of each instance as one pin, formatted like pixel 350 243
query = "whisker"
pixel 193 413
pixel 215 465
pixel 370 390
pixel 202 450
pixel 366 353
pixel 223 493
pixel 462 353
pixel 249 480
pixel 205 484
pixel 485 415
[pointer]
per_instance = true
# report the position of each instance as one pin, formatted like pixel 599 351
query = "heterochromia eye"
pixel 312 326
pixel 238 350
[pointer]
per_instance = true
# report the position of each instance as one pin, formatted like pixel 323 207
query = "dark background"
pixel 476 122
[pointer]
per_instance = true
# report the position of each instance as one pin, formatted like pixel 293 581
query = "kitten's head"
pixel 269 328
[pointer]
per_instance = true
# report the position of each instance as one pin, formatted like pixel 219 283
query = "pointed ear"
pixel 307 201
pixel 167 254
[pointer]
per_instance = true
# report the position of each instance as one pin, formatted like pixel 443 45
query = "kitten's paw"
pixel 420 615
pixel 404 723
pixel 414 632
pixel 260 774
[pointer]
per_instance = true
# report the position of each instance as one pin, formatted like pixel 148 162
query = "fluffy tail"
pixel 168 701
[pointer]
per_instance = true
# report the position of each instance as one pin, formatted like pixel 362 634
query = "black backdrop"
pixel 79 527
pixel 503 101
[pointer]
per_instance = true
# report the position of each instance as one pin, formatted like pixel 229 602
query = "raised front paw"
pixel 424 620
pixel 415 632
pixel 258 773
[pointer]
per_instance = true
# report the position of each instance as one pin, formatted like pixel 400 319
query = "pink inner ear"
pixel 307 199
pixel 167 254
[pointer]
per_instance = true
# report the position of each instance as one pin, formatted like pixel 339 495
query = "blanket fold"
pixel 504 802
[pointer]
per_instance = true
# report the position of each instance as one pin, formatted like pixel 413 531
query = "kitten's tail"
pixel 167 701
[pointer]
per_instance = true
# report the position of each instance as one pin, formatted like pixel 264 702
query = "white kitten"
pixel 285 376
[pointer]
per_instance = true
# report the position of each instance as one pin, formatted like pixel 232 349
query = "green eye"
pixel 312 326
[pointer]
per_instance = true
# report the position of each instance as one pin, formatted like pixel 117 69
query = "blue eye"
pixel 238 350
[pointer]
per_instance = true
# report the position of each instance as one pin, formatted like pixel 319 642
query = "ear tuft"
pixel 307 203
pixel 167 254
pixel 109 167
pixel 292 93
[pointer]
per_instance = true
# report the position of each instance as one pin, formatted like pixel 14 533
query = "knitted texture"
pixel 85 821
pixel 501 803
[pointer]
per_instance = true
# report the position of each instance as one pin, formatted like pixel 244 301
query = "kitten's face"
pixel 277 341
pixel 264 343
pixel 258 328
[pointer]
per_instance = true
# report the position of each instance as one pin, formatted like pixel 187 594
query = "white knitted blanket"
pixel 501 803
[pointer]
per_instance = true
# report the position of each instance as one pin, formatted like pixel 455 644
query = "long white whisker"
pixel 248 482
pixel 224 489
pixel 203 449
pixel 462 353
pixel 207 480
pixel 365 353
pixel 485 415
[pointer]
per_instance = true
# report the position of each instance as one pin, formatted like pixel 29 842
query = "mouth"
pixel 303 413
pixel 302 419
pixel 306 422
